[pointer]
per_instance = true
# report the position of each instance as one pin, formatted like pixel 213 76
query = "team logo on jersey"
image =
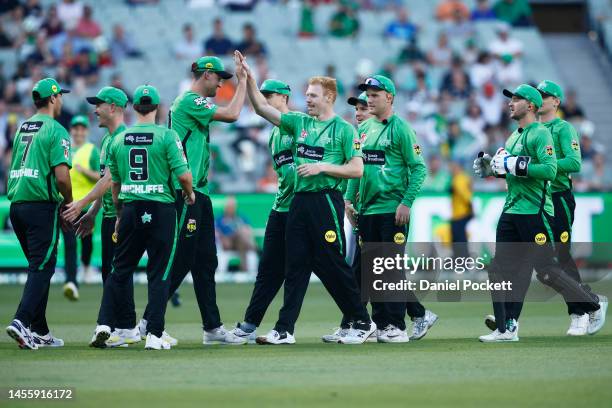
pixel 304 134
pixel 31 127
pixel 549 150
pixel 417 149
pixel 146 218
pixel 540 238
pixel 286 141
pixel 564 236
pixel 399 238
pixel 66 146
pixel 575 145
pixel 359 141
pixel 330 236
pixel 145 91
pixel 200 100
pixel 191 225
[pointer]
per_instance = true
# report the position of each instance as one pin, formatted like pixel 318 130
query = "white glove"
pixel 482 165
pixel 504 163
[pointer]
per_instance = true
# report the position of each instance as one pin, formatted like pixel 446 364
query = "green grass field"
pixel 449 367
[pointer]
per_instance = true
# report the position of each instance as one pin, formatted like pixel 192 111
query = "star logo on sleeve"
pixel 146 217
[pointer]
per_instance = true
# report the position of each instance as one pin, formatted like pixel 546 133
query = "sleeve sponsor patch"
pixel 30 127
pixel 575 145
pixel 202 101
pixel 549 150
pixel 138 139
pixel 417 149
pixel 358 141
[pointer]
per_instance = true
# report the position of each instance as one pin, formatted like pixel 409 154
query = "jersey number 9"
pixel 139 164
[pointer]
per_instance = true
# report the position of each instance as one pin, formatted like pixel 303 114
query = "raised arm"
pixel 259 102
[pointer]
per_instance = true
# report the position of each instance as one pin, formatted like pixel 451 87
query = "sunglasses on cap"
pixel 374 82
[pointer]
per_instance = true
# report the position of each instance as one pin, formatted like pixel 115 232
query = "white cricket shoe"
pixel 358 336
pixel 578 324
pixel 335 336
pixel 71 292
pixel 597 319
pixel 22 335
pixel 142 328
pixel 374 337
pixel 47 340
pixel 169 339
pixel 102 333
pixel 392 334
pixel 123 337
pixel 421 325
pixel 274 337
pixel 249 336
pixel 222 336
pixel 156 343
pixel 511 334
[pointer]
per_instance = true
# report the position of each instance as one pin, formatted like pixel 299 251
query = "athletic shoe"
pixel 222 336
pixel 100 336
pixel 156 343
pixel 123 337
pixel 142 328
pixel 421 325
pixel 359 334
pixel 169 339
pixel 335 336
pixel 490 322
pixel 21 335
pixel 248 336
pixel 47 340
pixel 89 276
pixel 374 337
pixel 274 337
pixel 511 334
pixel 597 319
pixel 392 334
pixel 71 292
pixel 578 325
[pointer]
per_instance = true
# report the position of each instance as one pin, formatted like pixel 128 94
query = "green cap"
pixel 79 120
pixel 275 86
pixel 109 94
pixel 47 87
pixel 361 99
pixel 213 64
pixel 378 82
pixel 547 87
pixel 527 92
pixel 146 95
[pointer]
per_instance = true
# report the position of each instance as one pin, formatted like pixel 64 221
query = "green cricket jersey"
pixel 143 158
pixel 394 169
pixel 281 149
pixel 190 116
pixel 331 141
pixel 527 195
pixel 108 209
pixel 41 144
pixel 567 149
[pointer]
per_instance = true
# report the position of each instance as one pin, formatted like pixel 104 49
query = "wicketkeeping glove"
pixel 504 163
pixel 482 165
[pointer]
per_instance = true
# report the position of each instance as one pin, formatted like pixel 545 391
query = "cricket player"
pixel 271 271
pixel 190 116
pixel 38 185
pixel 394 171
pixel 529 165
pixel 324 154
pixel 142 161
pixel 84 173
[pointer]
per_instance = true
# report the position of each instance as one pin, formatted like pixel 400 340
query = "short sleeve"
pixel 60 147
pixel 289 122
pixel 112 163
pixel 200 109
pixel 175 154
pixel 94 159
pixel 351 144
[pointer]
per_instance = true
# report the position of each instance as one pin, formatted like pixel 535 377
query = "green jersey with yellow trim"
pixel 394 169
pixel 567 149
pixel 531 194
pixel 143 158
pixel 40 144
pixel 315 141
pixel 108 209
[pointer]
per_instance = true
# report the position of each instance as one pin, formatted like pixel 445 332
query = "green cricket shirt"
pixel 527 195
pixel 567 149
pixel 394 169
pixel 190 116
pixel 108 209
pixel 143 158
pixel 281 149
pixel 41 144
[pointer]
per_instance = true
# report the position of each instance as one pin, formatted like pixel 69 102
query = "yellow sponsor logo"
pixel 209 65
pixel 54 88
pixel 540 239
pixel 564 236
pixel 575 144
pixel 399 238
pixel 360 242
pixel 115 237
pixel 191 225
pixel 330 236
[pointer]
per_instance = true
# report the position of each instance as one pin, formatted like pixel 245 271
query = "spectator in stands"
pixel 122 45
pixel 67 58
pixel 141 2
pixel 33 8
pixel 402 28
pixel 490 102
pixel 411 53
pixel 188 48
pixel 13 26
pixel 504 44
pixel 570 108
pixel 87 27
pixel 85 69
pixel 441 54
pixel 117 82
pixel 5 40
pixel 592 173
pixel 456 81
pixel 238 5
pixel 250 45
pixel 422 91
pixel 307 25
pixel 515 12
pixel 40 55
pixel 483 70
pixel 70 13
pixel 344 22
pixel 218 43
pixel 438 178
pixel 460 144
pixel 52 25
pixel 483 11
pixel 459 26
pixel 235 233
pixel 470 52
pixel 447 8
pixel 508 73
pixel 461 207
